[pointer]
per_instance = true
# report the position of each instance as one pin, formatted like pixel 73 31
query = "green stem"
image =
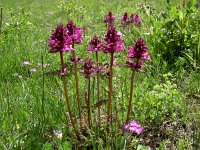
pixel 98 91
pixel 63 76
pixel 131 97
pixel 110 88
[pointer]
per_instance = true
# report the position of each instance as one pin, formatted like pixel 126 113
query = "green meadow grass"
pixel 33 106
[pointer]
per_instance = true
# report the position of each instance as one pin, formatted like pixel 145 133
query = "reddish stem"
pixel 110 88
pixel 77 85
pixel 63 77
pixel 98 91
pixel 88 104
pixel 131 97
pixel 131 93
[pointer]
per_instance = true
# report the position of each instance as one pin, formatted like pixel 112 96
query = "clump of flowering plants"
pixel 63 39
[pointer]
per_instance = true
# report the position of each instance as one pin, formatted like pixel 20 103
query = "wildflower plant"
pixel 137 53
pixel 75 36
pixel 88 70
pixel 60 42
pixel 95 45
pixel 63 39
pixel 114 43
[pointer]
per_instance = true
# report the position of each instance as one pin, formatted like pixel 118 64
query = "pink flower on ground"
pixel 26 63
pixel 109 19
pixel 135 19
pixel 134 127
pixel 58 134
pixel 59 40
pixel 19 76
pixel 114 41
pixel 74 33
pixel 95 44
pixel 33 70
pixel 44 65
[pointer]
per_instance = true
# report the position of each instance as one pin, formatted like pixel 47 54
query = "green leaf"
pixel 180 15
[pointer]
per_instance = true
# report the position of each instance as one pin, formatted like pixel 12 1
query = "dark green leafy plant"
pixel 177 33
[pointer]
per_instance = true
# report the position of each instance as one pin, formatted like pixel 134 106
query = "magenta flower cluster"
pixel 59 40
pixel 134 18
pixel 74 33
pixel 64 36
pixel 137 53
pixel 113 40
pixel 95 44
pixel 125 19
pixel 88 68
pixel 134 127
pixel 109 19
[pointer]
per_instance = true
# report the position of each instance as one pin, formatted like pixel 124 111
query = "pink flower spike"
pixel 134 127
pixel 125 19
pixel 59 40
pixel 138 50
pixel 135 19
pixel 74 32
pixel 26 63
pixel 114 41
pixel 95 44
pixel 109 19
